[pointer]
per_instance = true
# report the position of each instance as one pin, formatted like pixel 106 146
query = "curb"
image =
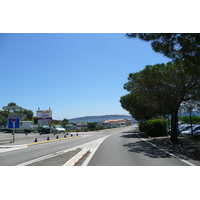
pixel 77 157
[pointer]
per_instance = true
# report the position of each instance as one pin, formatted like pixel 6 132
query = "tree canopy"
pixel 4 113
pixel 170 85
pixel 139 108
pixel 164 87
pixel 178 46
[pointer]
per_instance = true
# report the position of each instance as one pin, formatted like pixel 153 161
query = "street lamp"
pixel 191 121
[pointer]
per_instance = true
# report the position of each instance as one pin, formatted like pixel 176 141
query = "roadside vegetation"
pixel 186 119
pixel 28 114
pixel 164 89
pixel 154 127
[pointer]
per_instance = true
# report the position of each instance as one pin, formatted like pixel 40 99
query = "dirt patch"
pixel 189 147
pixel 80 162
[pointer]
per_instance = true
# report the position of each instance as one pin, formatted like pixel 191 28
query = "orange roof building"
pixel 113 120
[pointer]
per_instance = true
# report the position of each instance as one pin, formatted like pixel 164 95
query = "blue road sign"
pixel 13 122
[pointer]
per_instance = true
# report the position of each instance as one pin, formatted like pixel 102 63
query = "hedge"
pixel 154 127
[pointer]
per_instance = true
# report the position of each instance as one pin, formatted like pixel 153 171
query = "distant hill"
pixel 108 117
pixel 100 118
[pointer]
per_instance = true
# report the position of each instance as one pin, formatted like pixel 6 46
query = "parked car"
pixel 26 126
pixel 189 131
pixel 180 128
pixel 2 128
pixel 57 129
pixel 196 132
pixel 184 128
pixel 44 129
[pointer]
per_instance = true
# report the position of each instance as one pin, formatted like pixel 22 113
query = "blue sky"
pixel 75 74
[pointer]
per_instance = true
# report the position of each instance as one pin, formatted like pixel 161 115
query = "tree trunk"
pixel 174 121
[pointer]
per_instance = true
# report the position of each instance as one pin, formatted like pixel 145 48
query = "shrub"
pixel 141 126
pixel 155 127
pixel 91 126
pixel 186 119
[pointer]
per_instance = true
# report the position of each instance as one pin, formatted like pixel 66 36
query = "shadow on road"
pixel 147 149
pixel 132 134
pixel 144 147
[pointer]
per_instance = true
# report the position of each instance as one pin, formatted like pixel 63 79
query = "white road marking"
pixel 92 146
pixel 45 157
pixel 185 161
pixel 76 158
pixel 5 148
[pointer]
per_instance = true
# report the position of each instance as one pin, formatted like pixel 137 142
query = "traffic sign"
pixel 13 122
pixel 9 107
pixel 18 115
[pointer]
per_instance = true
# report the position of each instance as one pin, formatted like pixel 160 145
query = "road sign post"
pixel 13 123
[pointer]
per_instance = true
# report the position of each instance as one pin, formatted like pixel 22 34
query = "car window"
pixel 186 128
pixel 197 128
pixel 58 126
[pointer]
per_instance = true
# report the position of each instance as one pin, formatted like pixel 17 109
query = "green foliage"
pixel 91 126
pixel 138 110
pixel 179 46
pixel 163 87
pixel 100 128
pixel 154 128
pixel 12 104
pixel 64 122
pixel 141 126
pixel 4 113
pixel 169 85
pixel 29 113
pixel 186 119
pixel 55 122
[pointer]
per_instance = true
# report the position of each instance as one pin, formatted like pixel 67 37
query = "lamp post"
pixel 190 109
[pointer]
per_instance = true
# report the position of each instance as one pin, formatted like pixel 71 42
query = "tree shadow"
pixel 144 147
pixel 132 134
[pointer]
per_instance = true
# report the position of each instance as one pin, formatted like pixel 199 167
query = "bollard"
pixel 71 135
pixel 26 133
pixel 40 133
pixel 57 137
pixel 36 140
pixel 54 133
pixel 77 134
pixel 64 136
pixel 48 138
pixel 66 133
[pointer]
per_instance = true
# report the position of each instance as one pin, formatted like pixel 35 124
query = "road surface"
pixel 116 147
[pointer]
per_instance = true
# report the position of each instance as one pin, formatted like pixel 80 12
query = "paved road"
pixel 37 151
pixel 125 148
pixel 117 147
